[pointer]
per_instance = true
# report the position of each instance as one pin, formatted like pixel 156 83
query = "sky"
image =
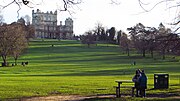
pixel 86 15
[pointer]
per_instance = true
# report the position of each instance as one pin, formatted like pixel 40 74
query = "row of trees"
pixel 143 39
pixel 14 39
pixel 150 39
pixel 99 33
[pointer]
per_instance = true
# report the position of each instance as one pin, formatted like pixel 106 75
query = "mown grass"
pixel 71 68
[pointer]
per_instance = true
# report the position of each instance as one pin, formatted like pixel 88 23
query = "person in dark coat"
pixel 136 83
pixel 142 83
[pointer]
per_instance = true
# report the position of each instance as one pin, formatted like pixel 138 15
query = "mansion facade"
pixel 46 26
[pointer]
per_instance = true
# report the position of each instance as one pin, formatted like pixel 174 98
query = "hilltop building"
pixel 66 31
pixel 46 26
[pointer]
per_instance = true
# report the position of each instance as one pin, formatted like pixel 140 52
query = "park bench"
pixel 118 88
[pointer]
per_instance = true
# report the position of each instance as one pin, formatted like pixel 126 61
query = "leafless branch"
pixel 176 23
pixel 32 3
pixel 115 2
pixel 174 6
pixel 25 2
pixel 66 4
pixel 3 7
pixel 69 3
pixel 18 6
pixel 177 29
pixel 142 5
pixel 19 3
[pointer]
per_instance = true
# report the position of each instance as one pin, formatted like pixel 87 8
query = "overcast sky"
pixel 127 14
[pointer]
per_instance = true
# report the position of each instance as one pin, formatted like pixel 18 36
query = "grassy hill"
pixel 68 67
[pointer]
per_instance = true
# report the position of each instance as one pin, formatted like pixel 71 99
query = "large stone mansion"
pixel 46 26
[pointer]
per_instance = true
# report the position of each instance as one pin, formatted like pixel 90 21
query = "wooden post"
pixel 117 91
pixel 119 87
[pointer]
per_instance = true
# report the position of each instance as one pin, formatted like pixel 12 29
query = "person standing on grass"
pixel 142 83
pixel 136 83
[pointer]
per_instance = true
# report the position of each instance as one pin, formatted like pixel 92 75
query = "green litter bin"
pixel 161 81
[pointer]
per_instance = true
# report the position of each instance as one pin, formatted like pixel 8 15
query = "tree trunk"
pixel 15 60
pixel 163 54
pixel 152 54
pixel 88 45
pixel 144 53
pixel 4 60
pixel 128 52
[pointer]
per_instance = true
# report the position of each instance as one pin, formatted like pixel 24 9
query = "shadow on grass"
pixel 91 73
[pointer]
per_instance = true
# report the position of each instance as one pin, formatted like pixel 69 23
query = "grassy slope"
pixel 70 68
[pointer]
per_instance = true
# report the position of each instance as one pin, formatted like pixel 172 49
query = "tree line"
pixel 99 33
pixel 14 39
pixel 143 39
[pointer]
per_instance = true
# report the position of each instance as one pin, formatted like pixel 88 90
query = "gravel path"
pixel 80 98
pixel 65 98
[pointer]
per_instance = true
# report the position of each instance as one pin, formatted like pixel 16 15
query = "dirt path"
pixel 54 98
pixel 80 98
pixel 65 98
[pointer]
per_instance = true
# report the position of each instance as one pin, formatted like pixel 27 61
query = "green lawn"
pixel 72 68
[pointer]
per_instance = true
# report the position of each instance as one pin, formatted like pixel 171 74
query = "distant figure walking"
pixel 135 79
pixel 143 83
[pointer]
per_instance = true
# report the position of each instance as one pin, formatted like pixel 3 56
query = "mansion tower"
pixel 46 26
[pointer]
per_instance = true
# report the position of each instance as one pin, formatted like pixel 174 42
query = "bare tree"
pixel 167 41
pixel 151 35
pixel 150 39
pixel 125 42
pixel 29 28
pixel 13 41
pixel 19 41
pixel 138 37
pixel 112 33
pixel 4 44
pixel 30 32
pixel 143 38
pixel 98 30
pixel 88 38
pixel 170 4
pixel 31 3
